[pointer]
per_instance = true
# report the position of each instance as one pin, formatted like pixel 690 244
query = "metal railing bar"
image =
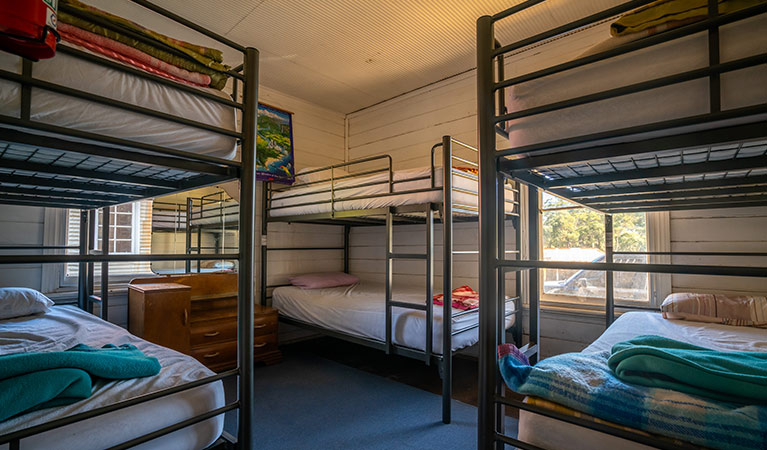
pixel 637 87
pixel 465 145
pixel 117 141
pixel 171 428
pixel 694 253
pixel 406 305
pixel 700 119
pixel 362 197
pixel 189 24
pixel 586 423
pixel 635 45
pixel 56 259
pixel 302 248
pixel 588 20
pixel 83 95
pixel 515 9
pixel 21 434
pixel 743 271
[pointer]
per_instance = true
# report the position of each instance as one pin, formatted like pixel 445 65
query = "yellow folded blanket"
pixel 678 12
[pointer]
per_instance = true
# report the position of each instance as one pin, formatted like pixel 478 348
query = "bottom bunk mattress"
pixel 554 434
pixel 360 311
pixel 66 326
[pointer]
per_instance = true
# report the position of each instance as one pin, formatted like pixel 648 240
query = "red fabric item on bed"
pixel 129 55
pixel 464 298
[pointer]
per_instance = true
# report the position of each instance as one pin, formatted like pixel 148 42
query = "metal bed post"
pixel 447 278
pixel 518 330
pixel 105 264
pixel 245 308
pixel 188 263
pixel 487 234
pixel 347 231
pixel 500 300
pixel 389 277
pixel 82 277
pixel 263 241
pixel 429 342
pixel 534 288
pixel 92 227
pixel 609 291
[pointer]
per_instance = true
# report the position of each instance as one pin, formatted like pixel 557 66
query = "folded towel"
pixel 585 383
pixel 665 14
pixel 74 13
pixel 32 381
pixel 656 361
pixel 464 298
pixel 130 56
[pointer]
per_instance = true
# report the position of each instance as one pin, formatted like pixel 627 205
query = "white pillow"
pixel 322 175
pixel 17 302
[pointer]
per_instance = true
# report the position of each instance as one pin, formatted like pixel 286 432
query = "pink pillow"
pixel 323 280
pixel 749 311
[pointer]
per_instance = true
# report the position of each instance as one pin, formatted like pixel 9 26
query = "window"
pixel 130 232
pixel 574 233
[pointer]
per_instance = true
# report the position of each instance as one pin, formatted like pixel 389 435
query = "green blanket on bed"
pixel 32 381
pixel 655 361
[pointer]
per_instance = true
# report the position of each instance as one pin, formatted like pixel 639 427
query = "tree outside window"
pixel 575 233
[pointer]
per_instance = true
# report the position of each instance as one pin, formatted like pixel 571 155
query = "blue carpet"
pixel 311 402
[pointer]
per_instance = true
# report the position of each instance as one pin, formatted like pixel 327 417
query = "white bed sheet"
pixel 359 310
pixel 740 88
pixel 66 111
pixel 66 326
pixel 311 193
pixel 553 434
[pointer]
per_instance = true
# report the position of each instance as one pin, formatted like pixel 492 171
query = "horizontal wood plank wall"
pixel 318 140
pixel 21 225
pixel 719 230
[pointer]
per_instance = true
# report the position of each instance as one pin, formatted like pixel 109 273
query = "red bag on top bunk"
pixel 28 28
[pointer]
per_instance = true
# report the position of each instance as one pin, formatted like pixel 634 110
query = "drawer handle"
pixel 262 344
pixel 212 355
pixel 262 325
pixel 212 334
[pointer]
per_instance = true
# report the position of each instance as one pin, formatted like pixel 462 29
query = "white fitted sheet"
pixel 311 193
pixel 66 326
pixel 740 88
pixel 553 434
pixel 359 310
pixel 69 112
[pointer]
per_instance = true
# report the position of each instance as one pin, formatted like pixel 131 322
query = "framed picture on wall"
pixel 274 145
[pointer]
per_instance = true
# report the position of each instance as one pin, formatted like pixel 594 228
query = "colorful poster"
pixel 274 145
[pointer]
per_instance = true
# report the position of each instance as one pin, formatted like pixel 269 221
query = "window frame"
pixel 658 285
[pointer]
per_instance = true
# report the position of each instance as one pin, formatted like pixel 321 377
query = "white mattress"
pixel 740 88
pixel 359 310
pixel 66 326
pixel 553 434
pixel 311 193
pixel 66 111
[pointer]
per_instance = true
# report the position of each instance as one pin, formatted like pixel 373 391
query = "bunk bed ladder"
pixel 429 259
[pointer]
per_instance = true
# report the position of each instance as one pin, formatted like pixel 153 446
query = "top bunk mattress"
pixel 741 88
pixel 66 326
pixel 66 111
pixel 411 187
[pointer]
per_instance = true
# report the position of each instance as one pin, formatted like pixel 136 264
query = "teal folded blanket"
pixel 32 381
pixel 655 361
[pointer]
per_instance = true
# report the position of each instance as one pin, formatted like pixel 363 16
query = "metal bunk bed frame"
pixel 392 216
pixel 38 169
pixel 539 166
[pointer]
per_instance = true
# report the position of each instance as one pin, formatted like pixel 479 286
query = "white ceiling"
pixel 349 54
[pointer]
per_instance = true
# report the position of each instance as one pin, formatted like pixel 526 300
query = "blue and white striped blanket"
pixel 584 382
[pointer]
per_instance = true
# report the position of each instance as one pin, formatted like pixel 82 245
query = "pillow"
pixel 17 302
pixel 747 311
pixel 322 175
pixel 323 280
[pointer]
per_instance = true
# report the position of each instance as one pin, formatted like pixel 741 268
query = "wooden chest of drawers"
pixel 208 329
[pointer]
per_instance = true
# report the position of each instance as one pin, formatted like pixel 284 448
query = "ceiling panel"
pixel 349 54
